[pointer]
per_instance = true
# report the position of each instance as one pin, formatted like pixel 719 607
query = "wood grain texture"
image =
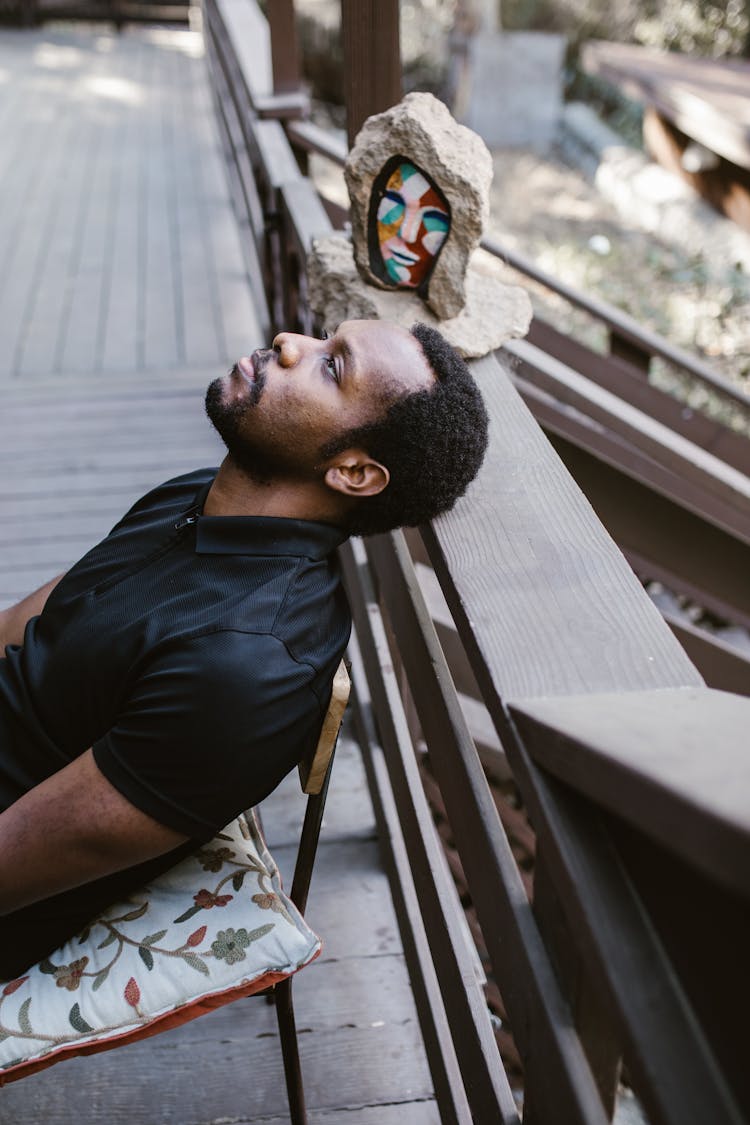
pixel 675 764
pixel 617 376
pixel 418 1113
pixel 312 772
pixel 677 490
pixel 441 1053
pixel 486 1085
pixel 542 595
pixel 248 30
pixel 663 540
pixel 704 471
pixel 670 1057
pixel 356 1046
pixel 555 1066
pixel 348 887
pixel 118 242
pixel 372 59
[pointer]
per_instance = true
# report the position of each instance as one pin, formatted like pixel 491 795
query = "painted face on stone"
pixel 412 223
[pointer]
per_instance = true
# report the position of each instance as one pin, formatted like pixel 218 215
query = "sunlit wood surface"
pixel 123 292
pixel 708 99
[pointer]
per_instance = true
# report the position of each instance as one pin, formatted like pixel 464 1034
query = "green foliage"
pixel 697 27
pixel 714 28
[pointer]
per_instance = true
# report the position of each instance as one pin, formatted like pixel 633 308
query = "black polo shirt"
pixel 194 653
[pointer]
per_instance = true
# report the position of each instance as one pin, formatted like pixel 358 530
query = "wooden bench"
pixel 688 100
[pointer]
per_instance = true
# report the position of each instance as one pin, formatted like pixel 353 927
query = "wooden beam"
pixel 486 1085
pixel 372 59
pixel 673 763
pixel 285 55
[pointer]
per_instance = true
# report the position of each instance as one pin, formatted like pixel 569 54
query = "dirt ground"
pixel 552 213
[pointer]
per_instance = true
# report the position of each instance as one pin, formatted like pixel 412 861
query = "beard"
pixel 230 420
pixel 265 452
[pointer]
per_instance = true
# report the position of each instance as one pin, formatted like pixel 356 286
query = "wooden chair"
pixel 314 773
pixel 197 974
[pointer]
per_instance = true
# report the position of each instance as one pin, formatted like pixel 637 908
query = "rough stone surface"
pixel 421 128
pixel 494 312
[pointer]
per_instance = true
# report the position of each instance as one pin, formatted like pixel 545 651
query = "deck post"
pixel 285 55
pixel 372 59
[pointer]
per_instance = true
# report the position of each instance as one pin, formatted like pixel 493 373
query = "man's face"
pixel 277 409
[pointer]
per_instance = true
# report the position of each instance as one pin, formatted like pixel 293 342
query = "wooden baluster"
pixel 372 59
pixel 591 1021
pixel 285 54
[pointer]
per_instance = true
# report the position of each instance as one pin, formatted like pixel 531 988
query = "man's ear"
pixel 355 473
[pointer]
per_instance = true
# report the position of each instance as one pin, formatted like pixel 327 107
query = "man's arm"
pixel 71 829
pixel 13 621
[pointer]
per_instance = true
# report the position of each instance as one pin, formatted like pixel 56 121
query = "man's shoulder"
pixel 186 485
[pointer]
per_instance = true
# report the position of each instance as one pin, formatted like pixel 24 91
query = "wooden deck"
pixel 123 293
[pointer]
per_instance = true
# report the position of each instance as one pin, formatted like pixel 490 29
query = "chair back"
pixel 314 767
pixel 314 773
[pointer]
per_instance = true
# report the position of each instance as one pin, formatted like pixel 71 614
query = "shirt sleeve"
pixel 210 728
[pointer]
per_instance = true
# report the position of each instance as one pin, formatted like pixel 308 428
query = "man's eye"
pixel 330 365
pixel 324 335
pixel 332 368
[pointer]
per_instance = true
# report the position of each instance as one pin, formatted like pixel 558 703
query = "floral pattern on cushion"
pixel 215 926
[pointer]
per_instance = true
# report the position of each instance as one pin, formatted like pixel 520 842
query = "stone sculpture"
pixel 419 189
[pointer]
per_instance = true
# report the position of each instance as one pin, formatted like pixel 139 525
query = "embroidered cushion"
pixel 216 927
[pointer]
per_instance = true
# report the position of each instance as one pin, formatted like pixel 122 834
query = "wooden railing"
pixel 30 12
pixel 671 484
pixel 634 774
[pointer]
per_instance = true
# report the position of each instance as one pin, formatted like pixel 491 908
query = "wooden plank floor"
pixel 123 293
pixel 118 246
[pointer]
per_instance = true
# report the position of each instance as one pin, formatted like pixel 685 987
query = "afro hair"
pixel 432 441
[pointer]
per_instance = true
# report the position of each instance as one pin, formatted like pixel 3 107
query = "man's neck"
pixel 234 493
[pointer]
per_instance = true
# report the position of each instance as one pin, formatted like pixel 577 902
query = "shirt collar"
pixel 265 535
pixel 260 535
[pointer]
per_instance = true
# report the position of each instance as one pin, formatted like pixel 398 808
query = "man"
pixel 180 669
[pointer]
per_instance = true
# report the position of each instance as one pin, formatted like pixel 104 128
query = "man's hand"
pixel 71 829
pixel 13 621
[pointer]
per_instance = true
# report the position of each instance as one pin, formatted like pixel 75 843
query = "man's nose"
pixel 289 347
